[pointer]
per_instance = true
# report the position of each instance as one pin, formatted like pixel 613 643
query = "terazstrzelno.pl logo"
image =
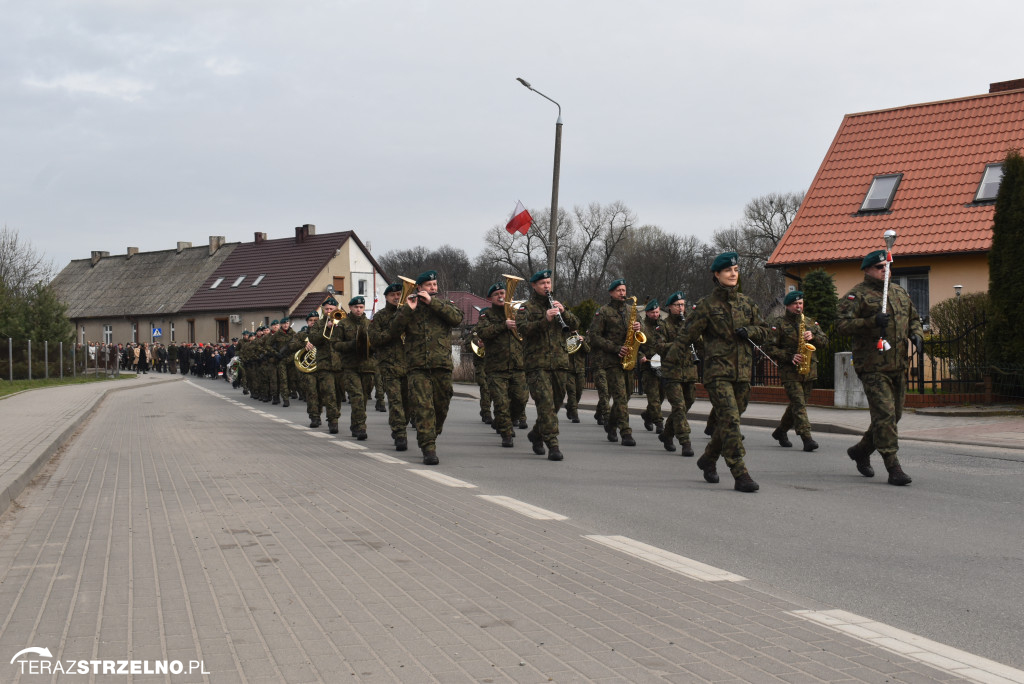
pixel 34 660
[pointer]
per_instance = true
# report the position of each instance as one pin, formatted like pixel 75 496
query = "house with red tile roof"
pixel 213 293
pixel 928 171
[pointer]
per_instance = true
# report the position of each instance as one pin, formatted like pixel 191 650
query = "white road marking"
pixel 383 458
pixel 961 663
pixel 352 445
pixel 526 509
pixel 442 479
pixel 280 420
pixel 666 559
pixel 321 435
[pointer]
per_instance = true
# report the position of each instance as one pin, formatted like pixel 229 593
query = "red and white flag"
pixel 521 220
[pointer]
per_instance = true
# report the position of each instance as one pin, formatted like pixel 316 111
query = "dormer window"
pixel 989 186
pixel 216 282
pixel 881 192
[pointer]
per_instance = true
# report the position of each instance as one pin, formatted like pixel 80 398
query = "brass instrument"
pixel 805 349
pixel 478 349
pixel 511 282
pixel 634 338
pixel 408 287
pixel 337 316
pixel 574 342
pixel 305 361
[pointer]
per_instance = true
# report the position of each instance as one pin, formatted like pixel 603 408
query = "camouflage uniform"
pixel 607 336
pixel 281 342
pixel 428 356
pixel 503 362
pixel 307 381
pixel 546 363
pixel 727 363
pixel 389 351
pixel 576 380
pixel 649 376
pixel 328 367
pixel 783 342
pixel 883 374
pixel 679 373
pixel 357 367
pixel 479 372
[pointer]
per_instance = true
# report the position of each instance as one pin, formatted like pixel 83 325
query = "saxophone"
pixel 804 348
pixel 634 338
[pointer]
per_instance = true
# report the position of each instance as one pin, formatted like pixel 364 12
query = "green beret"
pixel 876 257
pixel 652 305
pixel 304 328
pixel 724 260
pixel 358 299
pixel 792 297
pixel 393 287
pixel 285 320
pixel 332 301
pixel 426 276
pixel 494 288
pixel 246 333
pixel 616 283
pixel 540 275
pixel 674 297
pixel 312 314
pixel 275 322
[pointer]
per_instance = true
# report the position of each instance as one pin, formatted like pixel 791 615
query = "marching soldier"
pixel 503 364
pixel 650 376
pixel 784 345
pixel 307 381
pixel 600 382
pixel 389 351
pixel 727 320
pixel 353 345
pixel 546 360
pixel 679 373
pixel 883 372
pixel 427 321
pixel 281 343
pixel 575 380
pixel 479 373
pixel 608 340
pixel 328 365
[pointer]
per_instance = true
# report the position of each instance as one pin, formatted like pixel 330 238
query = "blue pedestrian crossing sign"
pixel 157 332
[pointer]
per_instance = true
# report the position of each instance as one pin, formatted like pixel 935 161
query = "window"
pixel 915 282
pixel 216 282
pixel 989 186
pixel 881 192
pixel 238 281
pixel 108 333
pixel 259 279
pixel 362 287
pixel 172 332
pixel 339 284
pixel 135 333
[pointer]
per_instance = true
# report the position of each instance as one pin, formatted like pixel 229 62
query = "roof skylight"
pixel 989 186
pixel 881 192
pixel 259 279
pixel 216 282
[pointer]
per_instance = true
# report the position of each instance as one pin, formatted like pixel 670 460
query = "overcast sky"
pixel 144 123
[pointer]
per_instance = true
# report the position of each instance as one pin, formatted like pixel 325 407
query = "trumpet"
pixel 337 316
pixel 574 342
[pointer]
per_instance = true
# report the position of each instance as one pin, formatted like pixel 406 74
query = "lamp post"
pixel 552 236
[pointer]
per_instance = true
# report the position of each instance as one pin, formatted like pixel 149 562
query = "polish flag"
pixel 521 220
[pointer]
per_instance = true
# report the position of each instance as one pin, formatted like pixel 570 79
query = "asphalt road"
pixel 942 558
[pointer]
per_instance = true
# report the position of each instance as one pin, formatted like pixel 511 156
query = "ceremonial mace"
pixel 890 238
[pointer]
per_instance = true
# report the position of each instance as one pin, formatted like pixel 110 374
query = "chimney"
pixel 309 228
pixel 96 256
pixel 182 246
pixel 216 242
pixel 1003 86
pixel 259 237
pixel 132 251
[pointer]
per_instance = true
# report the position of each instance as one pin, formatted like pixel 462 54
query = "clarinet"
pixel 693 350
pixel 561 321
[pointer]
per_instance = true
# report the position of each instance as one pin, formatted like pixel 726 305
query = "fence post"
pixel 60 347
pixel 30 359
pixel 46 359
pixel 10 358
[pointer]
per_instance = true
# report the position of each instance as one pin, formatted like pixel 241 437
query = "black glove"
pixel 742 333
pixel 882 320
pixel 918 344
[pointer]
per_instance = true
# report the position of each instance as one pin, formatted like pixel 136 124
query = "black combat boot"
pixel 659 426
pixel 381 407
pixel 522 424
pixel 487 419
pixel 708 466
pixel 898 477
pixel 314 422
pixel 809 443
pixel 648 423
pixel 285 403
pixel 359 434
pixel 401 443
pixel 430 457
pixel 277 400
pixel 780 435
pixel 245 391
pixel 537 441
pixel 332 426
pixel 555 454
pixel 507 441
pixel 863 460
pixel 599 417
pixel 612 433
pixel 666 439
pixel 709 430
pixel 686 447
pixel 627 439
pixel 745 483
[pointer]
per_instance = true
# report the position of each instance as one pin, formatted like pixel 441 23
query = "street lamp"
pixel 957 289
pixel 552 237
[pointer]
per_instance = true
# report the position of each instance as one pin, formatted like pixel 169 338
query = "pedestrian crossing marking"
pixel 913 647
pixel 442 479
pixel 666 559
pixel 522 507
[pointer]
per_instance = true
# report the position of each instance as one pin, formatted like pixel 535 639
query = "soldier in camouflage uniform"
pixel 479 373
pixel 783 345
pixel 307 381
pixel 427 321
pixel 378 390
pixel 389 351
pixel 882 372
pixel 503 363
pixel 575 381
pixel 352 343
pixel 650 375
pixel 261 386
pixel 328 365
pixel 281 342
pixel 271 359
pixel 678 372
pixel 600 383
pixel 608 340
pixel 728 321
pixel 546 360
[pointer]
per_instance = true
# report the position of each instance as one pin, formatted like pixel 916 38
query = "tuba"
pixel 805 349
pixel 511 282
pixel 634 338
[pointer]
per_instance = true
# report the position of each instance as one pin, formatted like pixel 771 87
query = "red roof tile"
pixel 941 148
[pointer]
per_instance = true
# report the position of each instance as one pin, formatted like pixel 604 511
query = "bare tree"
pixel 656 264
pixel 766 219
pixel 453 267
pixel 21 266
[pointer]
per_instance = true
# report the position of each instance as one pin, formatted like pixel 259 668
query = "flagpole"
pixel 552 229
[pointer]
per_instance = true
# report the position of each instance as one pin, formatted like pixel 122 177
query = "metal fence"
pixel 40 360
